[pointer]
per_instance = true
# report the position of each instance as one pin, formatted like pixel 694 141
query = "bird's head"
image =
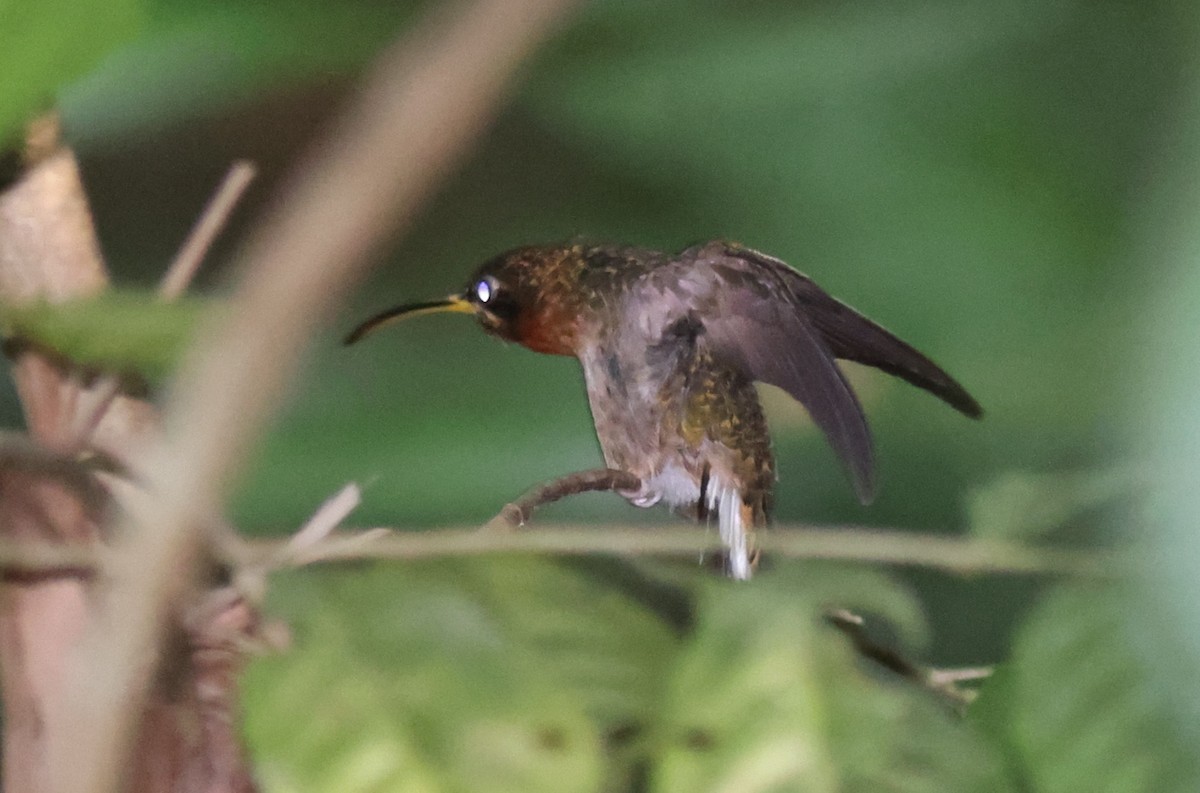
pixel 527 295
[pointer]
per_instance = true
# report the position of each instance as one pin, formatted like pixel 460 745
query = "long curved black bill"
pixel 454 304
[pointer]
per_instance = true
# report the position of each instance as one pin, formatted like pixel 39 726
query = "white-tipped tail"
pixel 728 505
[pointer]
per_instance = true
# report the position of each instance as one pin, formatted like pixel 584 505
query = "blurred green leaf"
pixel 991 713
pixel 347 739
pixel 764 699
pixel 49 42
pixel 501 674
pixel 1021 504
pixel 593 640
pixel 120 331
pixel 496 675
pixel 612 656
pixel 1084 716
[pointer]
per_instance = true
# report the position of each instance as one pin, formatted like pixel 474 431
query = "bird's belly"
pixel 647 426
pixel 672 484
pixel 631 440
pixel 634 426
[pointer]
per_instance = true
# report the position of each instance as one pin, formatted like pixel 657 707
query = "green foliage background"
pixel 1010 185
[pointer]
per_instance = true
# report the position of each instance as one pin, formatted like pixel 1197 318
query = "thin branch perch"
pixel 516 513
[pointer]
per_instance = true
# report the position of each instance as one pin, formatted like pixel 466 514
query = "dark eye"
pixel 485 289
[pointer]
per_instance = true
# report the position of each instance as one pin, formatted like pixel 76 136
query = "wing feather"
pixel 747 325
pixel 852 337
pixel 777 326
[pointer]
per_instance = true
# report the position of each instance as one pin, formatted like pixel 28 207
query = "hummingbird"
pixel 671 346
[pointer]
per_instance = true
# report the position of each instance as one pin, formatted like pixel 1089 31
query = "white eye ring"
pixel 485 290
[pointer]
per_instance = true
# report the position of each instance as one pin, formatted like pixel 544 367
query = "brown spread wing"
pixel 851 336
pixel 777 326
pixel 749 326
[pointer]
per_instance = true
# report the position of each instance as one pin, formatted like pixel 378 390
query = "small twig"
pixel 20 453
pixel 94 403
pixel 69 399
pixel 90 408
pixel 211 222
pixel 942 682
pixel 251 579
pixel 327 518
pixel 347 545
pixel 963 674
pixel 42 560
pixel 516 513
pixel 41 491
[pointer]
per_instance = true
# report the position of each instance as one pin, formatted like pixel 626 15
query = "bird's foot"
pixel 641 496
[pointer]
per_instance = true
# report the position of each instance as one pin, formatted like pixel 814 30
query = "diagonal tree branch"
pixel 421 106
